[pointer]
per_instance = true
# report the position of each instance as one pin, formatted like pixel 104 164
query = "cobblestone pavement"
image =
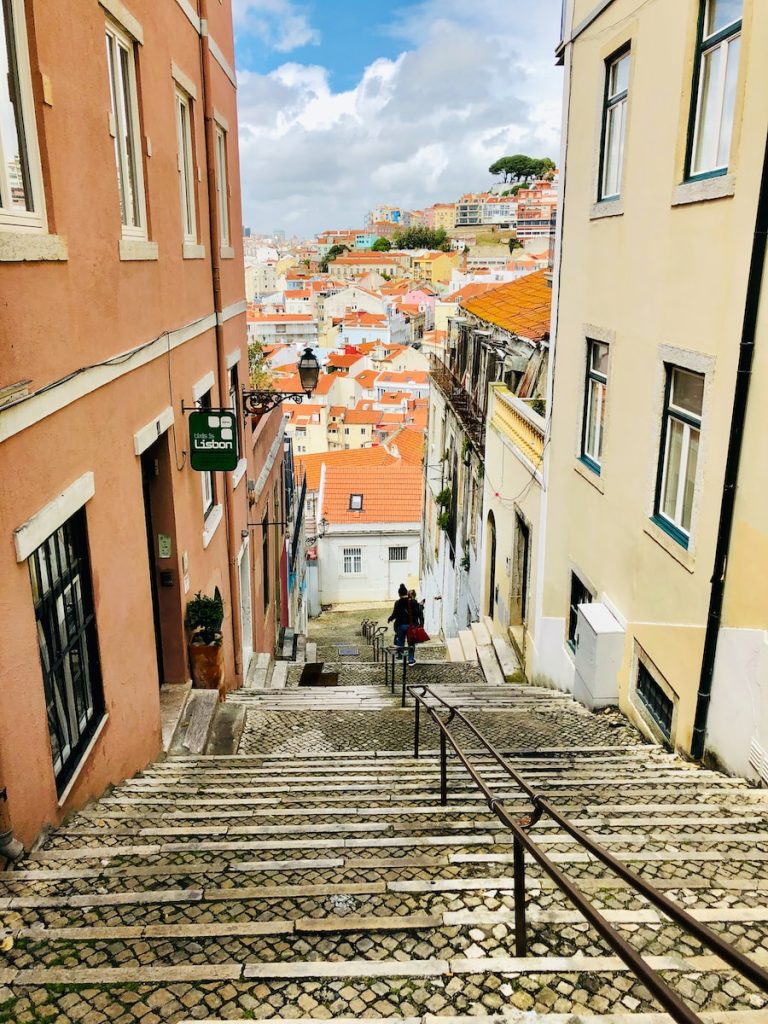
pixel 316 874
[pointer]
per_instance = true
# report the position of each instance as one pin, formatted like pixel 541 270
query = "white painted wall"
pixel 379 578
pixel 738 713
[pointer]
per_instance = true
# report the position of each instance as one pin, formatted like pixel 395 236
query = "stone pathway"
pixel 316 875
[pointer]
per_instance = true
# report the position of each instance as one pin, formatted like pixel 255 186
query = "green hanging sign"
pixel 213 440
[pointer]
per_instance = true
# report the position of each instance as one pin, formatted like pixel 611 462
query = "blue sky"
pixel 343 105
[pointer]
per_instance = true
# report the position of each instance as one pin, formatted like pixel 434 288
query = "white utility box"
pixel 599 653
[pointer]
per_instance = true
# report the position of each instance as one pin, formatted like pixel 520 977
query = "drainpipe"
pixel 214 236
pixel 10 847
pixel 736 435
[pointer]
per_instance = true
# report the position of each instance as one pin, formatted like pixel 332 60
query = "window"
pixel 714 95
pixel 21 193
pixel 595 394
pixel 346 430
pixel 356 502
pixel 655 700
pixel 124 125
pixel 580 594
pixel 186 165
pixel 234 401
pixel 301 431
pixel 66 632
pixel 680 433
pixel 353 560
pixel 221 185
pixel 398 554
pixel 614 125
pixel 207 479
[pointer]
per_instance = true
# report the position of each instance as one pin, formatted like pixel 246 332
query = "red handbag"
pixel 415 634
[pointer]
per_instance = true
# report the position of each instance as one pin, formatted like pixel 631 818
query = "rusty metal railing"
pixel 540 806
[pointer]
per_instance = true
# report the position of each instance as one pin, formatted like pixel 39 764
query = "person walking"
pixel 401 617
pixel 416 618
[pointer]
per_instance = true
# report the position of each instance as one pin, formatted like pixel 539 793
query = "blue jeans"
pixel 400 632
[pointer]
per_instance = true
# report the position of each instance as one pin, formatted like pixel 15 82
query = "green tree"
pixel 520 167
pixel 330 256
pixel 515 243
pixel 259 375
pixel 418 237
pixel 381 245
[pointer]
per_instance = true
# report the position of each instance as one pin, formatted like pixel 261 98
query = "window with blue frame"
pixel 595 395
pixel 714 94
pixel 679 456
pixel 614 125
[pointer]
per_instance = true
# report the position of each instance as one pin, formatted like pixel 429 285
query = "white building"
pixel 368 542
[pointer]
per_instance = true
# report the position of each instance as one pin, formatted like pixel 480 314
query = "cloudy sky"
pixel 344 104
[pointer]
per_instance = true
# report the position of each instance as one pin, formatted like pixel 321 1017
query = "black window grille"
pixel 656 702
pixel 66 630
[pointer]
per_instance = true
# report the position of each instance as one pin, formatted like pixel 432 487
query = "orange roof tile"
pixel 470 291
pixel 361 417
pixel 409 444
pixel 312 464
pixel 278 317
pixel 377 484
pixel 523 307
pixel 343 359
pixel 367 378
pixel 403 377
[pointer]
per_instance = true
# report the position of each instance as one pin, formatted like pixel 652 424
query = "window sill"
pixel 192 251
pixel 83 760
pixel 212 524
pixel 239 472
pixel 227 252
pixel 28 247
pixel 721 186
pixel 592 476
pixel 607 208
pixel 137 249
pixel 672 546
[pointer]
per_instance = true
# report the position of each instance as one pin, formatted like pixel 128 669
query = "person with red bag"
pixel 415 634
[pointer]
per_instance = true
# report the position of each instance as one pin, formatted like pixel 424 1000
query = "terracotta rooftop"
pixel 409 444
pixel 311 464
pixel 522 307
pixel 367 378
pixel 377 484
pixel 470 291
pixel 343 359
pixel 403 377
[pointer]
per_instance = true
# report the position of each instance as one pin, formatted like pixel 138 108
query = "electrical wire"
pixel 173 424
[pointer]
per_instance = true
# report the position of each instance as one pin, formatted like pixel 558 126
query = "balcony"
pixel 463 404
pixel 518 423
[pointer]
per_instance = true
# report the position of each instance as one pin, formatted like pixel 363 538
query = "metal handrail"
pixel 667 996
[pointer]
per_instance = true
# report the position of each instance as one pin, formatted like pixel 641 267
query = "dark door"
pixel 492 566
pixel 149 474
pixel 522 559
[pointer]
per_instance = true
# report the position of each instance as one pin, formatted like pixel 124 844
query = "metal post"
pixel 519 872
pixel 394 666
pixel 416 728
pixel 386 667
pixel 443 771
pixel 405 672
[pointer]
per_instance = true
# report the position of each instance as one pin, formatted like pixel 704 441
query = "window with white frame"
pixel 186 166
pixel 207 479
pixel 681 431
pixel 595 394
pixel 614 125
pixel 222 189
pixel 21 191
pixel 714 96
pixel 353 560
pixel 124 125
pixel 398 554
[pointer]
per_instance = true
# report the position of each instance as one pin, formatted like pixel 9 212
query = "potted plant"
pixel 204 618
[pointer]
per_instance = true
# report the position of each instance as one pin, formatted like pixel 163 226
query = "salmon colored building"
pixel 121 271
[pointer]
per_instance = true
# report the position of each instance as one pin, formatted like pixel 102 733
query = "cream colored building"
pixel 666 113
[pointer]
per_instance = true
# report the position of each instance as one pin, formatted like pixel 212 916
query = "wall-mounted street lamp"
pixel 261 401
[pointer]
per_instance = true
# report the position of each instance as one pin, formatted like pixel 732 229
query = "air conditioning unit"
pixel 599 653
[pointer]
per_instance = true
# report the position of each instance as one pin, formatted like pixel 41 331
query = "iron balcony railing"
pixel 540 806
pixel 466 408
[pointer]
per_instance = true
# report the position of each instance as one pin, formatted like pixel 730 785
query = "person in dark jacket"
pixel 401 617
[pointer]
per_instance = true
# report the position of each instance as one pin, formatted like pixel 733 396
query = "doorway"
pixel 246 613
pixel 520 571
pixel 163 559
pixel 491 572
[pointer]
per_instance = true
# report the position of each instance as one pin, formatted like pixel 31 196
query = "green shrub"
pixel 204 617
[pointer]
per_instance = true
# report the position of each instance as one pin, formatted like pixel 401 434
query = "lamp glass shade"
pixel 309 370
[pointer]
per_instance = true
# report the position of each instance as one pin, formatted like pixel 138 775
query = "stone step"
pixel 511 1014
pixel 258 673
pixel 486 655
pixel 468 645
pixel 510 667
pixel 277 679
pixel 480 634
pixel 455 650
pixel 195 724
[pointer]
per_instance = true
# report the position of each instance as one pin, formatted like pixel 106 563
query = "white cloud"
pixel 474 82
pixel 280 24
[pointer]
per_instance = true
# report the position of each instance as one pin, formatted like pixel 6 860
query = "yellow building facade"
pixel 664 135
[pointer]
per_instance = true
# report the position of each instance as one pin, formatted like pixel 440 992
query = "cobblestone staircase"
pixel 332 884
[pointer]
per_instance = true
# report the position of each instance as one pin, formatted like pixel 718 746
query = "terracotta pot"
pixel 207 663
